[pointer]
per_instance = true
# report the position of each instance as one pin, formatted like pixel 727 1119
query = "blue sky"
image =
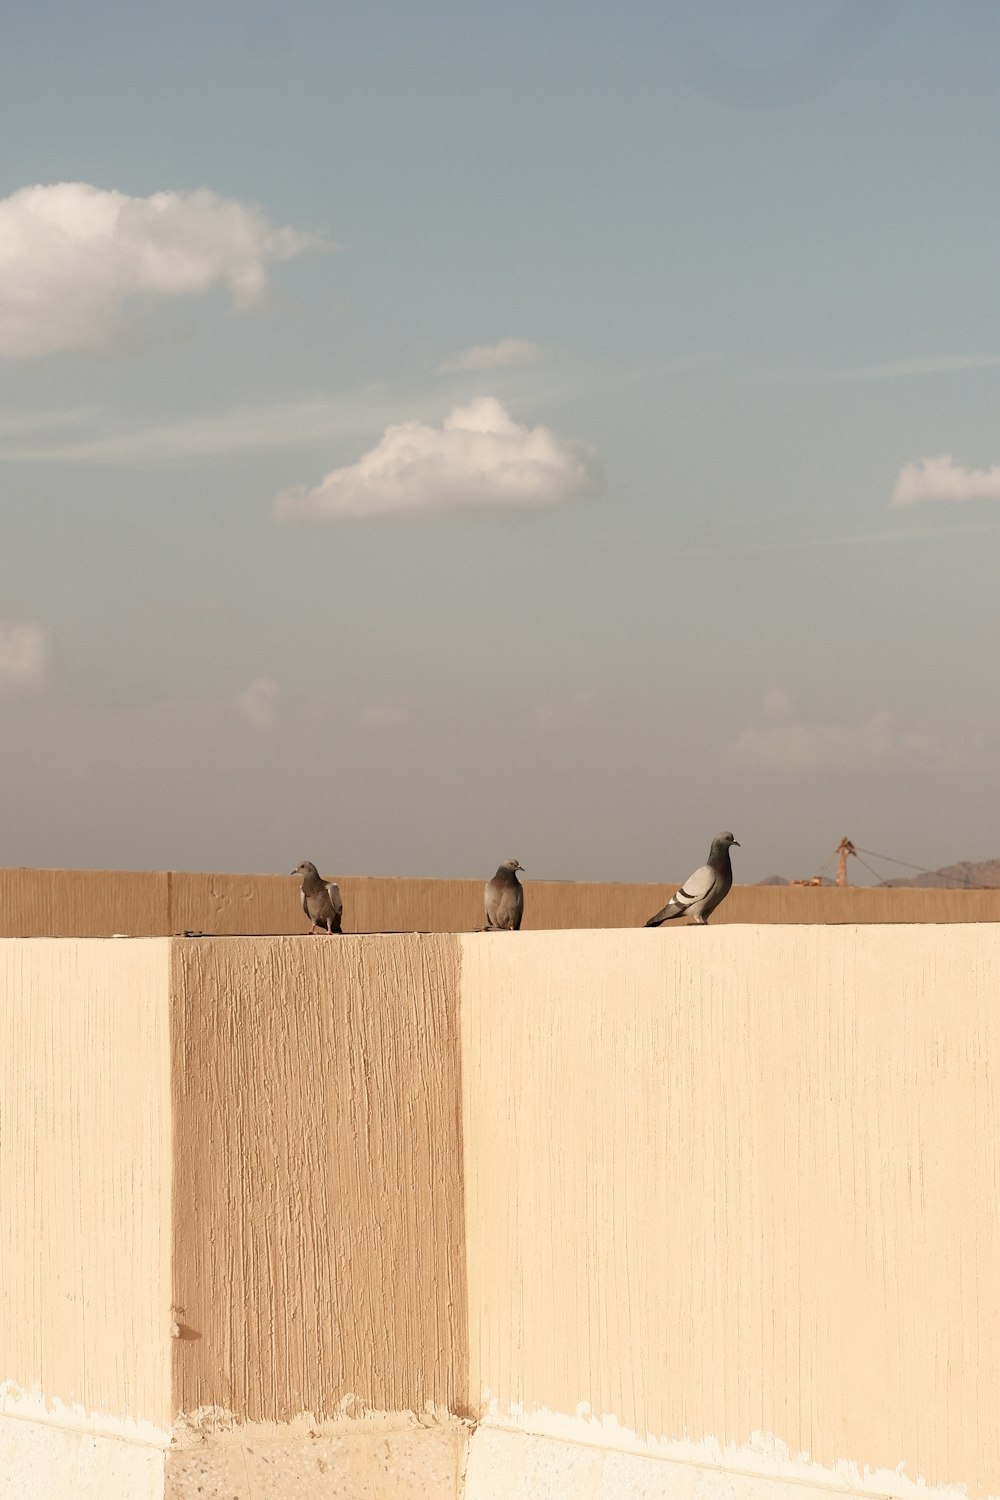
pixel 630 377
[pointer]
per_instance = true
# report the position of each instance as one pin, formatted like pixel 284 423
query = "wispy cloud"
pixel 941 364
pixel 316 418
pixel 258 703
pixel 16 424
pixel 499 356
pixel 793 744
pixel 942 479
pixel 280 424
pixel 479 459
pixel 77 261
pixel 24 654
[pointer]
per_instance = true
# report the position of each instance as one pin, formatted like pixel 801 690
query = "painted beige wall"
pixel 95 903
pixel 319 1228
pixel 85 1167
pixel 715 1183
pixel 738 1180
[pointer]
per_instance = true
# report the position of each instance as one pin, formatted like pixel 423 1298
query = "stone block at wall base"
pixel 384 1464
pixel 42 1461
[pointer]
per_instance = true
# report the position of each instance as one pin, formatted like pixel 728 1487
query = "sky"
pixel 433 434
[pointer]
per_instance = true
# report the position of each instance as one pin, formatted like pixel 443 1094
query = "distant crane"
pixel 844 849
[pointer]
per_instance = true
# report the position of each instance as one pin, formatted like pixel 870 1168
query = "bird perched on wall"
pixel 701 892
pixel 320 898
pixel 504 899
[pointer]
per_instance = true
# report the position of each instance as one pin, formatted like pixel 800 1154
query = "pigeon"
pixel 702 892
pixel 320 898
pixel 504 899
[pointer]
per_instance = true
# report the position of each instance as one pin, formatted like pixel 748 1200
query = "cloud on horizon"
pixel 258 703
pixel 77 261
pixel 793 745
pixel 499 356
pixel 24 654
pixel 478 460
pixel 942 479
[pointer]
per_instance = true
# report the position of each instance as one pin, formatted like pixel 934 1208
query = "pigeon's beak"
pixel 294 872
pixel 736 842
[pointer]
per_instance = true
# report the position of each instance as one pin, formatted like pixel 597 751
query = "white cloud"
pixel 941 479
pixel 24 654
pixel 479 459
pixel 258 703
pixel 793 745
pixel 497 356
pixel 76 259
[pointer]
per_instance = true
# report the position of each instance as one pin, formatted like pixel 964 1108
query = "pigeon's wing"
pixel 336 903
pixel 491 901
pixel 697 889
pixel 510 907
pixel 305 903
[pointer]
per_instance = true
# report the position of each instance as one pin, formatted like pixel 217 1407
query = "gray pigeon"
pixel 320 898
pixel 702 892
pixel 504 899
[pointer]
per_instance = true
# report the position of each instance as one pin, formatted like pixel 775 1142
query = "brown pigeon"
pixel 504 899
pixel 320 898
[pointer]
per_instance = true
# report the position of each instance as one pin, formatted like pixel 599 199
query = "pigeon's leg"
pixel 312 930
pixel 700 921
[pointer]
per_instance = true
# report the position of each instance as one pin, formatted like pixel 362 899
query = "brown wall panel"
pixel 95 903
pixel 319 1221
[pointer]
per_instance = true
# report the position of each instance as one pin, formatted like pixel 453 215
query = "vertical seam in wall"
pixel 471 1410
pixel 175 1015
pixel 463 1371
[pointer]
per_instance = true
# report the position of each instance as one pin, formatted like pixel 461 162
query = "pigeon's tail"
pixel 666 915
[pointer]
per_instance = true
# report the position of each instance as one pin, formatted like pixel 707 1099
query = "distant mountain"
pixel 967 875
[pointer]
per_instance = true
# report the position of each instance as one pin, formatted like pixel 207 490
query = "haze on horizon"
pixel 435 434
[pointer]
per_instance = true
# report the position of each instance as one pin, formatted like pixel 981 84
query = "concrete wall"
pixel 674 1212
pixel 319 1235
pixel 746 1185
pixel 99 903
pixel 85 1183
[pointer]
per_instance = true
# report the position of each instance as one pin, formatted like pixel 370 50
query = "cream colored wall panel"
pixel 741 1180
pixel 85 1177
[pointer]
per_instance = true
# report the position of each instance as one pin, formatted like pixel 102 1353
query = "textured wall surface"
pixel 741 1180
pixel 85 1181
pixel 95 903
pixel 82 903
pixel 319 1232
